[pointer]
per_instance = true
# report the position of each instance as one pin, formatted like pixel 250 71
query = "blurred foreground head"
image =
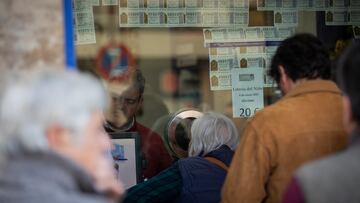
pixel 54 110
pixel 348 78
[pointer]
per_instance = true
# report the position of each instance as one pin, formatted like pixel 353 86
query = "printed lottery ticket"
pixel 110 2
pixel 285 18
pixel 230 36
pixel 83 22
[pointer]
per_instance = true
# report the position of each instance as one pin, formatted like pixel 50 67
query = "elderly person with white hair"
pixel 52 141
pixel 199 177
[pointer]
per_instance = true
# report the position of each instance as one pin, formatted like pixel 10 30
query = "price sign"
pixel 247 91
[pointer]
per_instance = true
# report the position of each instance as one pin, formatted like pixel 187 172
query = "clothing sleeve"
pixel 165 187
pixel 249 170
pixel 293 193
pixel 156 156
pixel 165 158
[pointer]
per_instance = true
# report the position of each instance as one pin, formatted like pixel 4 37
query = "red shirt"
pixel 152 147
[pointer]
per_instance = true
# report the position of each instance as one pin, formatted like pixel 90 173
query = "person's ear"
pixel 57 137
pixel 284 80
pixel 141 100
pixel 283 75
pixel 348 119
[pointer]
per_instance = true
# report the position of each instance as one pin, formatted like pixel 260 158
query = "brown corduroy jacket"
pixel 304 125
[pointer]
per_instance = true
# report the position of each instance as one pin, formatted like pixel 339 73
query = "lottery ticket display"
pixel 246 36
pixel 183 13
pixel 250 47
pixel 223 60
pixel 83 22
pixel 285 18
pixel 342 17
pixel 306 5
pixel 110 2
pixel 95 2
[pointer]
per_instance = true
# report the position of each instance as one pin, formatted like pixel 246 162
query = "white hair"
pixel 210 132
pixel 42 98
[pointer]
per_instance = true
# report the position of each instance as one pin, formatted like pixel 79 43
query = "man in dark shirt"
pixel 122 118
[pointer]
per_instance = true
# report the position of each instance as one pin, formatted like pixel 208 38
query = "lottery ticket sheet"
pixel 83 22
pixel 306 5
pixel 183 13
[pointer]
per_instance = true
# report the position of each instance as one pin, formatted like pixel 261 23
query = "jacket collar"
pixel 313 86
pixel 224 154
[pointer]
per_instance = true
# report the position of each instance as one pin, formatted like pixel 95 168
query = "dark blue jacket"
pixel 202 180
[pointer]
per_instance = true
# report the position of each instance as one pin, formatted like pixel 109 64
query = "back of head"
pixel 210 132
pixel 138 80
pixel 303 56
pixel 135 80
pixel 42 98
pixel 348 77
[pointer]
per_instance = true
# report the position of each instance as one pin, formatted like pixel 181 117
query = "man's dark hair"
pixel 302 56
pixel 348 77
pixel 138 80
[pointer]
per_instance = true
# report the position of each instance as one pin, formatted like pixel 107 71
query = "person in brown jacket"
pixel 304 125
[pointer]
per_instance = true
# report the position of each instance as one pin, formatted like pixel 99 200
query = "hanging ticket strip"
pixel 95 2
pixel 183 13
pixel 337 12
pixel 110 2
pixel 239 60
pixel 250 47
pixel 83 22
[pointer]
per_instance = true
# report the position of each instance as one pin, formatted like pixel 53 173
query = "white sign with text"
pixel 247 91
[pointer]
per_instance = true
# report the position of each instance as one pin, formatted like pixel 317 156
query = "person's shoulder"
pixel 331 179
pixel 193 162
pixel 147 133
pixel 337 165
pixel 143 129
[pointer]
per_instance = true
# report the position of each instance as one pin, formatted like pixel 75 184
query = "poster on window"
pixel 342 17
pixel 246 36
pixel 83 22
pixel 183 13
pixel 285 18
pixel 247 91
pixel 110 2
pixel 221 61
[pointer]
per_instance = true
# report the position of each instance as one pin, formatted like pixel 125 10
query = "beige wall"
pixel 31 33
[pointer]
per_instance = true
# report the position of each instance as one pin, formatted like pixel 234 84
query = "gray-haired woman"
pixel 199 177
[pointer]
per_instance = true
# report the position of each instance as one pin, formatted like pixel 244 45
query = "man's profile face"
pixel 126 105
pixel 90 150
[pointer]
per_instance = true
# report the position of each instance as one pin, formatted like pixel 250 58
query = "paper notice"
pixel 250 36
pixel 221 61
pixel 132 4
pixel 83 22
pixel 354 17
pixel 285 18
pixel 337 17
pixel 182 13
pixel 220 81
pixel 268 4
pixel 95 2
pixel 110 2
pixel 247 91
